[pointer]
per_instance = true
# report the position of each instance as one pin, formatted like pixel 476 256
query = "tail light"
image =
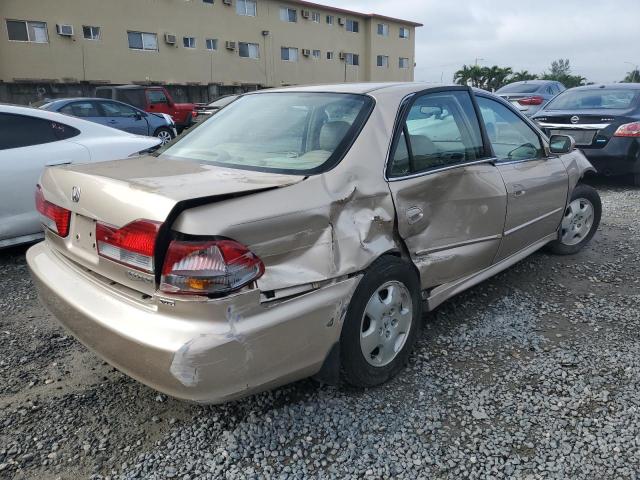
pixel 209 267
pixel 54 217
pixel 535 100
pixel 132 245
pixel 628 130
pixel 194 114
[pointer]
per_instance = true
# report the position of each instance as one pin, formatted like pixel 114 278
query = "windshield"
pixel 594 99
pixel 519 88
pixel 292 132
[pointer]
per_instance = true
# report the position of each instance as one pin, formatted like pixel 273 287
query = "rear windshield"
pixel 594 99
pixel 292 132
pixel 519 88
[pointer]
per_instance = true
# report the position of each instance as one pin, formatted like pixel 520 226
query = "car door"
pixel 157 101
pixel 449 196
pixel 537 182
pixel 27 145
pixel 123 117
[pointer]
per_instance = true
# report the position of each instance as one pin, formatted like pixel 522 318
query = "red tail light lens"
pixel 211 267
pixel 535 100
pixel 132 245
pixel 628 130
pixel 54 217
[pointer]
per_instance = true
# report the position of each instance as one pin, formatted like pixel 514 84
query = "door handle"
pixel 518 190
pixel 414 215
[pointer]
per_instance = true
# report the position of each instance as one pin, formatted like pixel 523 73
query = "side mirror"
pixel 138 116
pixel 561 144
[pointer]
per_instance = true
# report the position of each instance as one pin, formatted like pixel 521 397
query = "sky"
pixel 597 36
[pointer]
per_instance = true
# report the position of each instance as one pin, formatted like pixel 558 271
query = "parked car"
pixel 152 99
pixel 117 115
pixel 32 139
pixel 604 120
pixel 529 96
pixel 233 263
pixel 213 107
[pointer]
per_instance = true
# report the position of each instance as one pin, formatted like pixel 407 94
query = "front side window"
pixel 404 32
pixel 212 43
pixel 18 131
pixel 383 29
pixel 249 50
pixel 292 132
pixel 441 130
pixel 246 7
pixel 113 109
pixel 383 61
pixel 91 33
pixel 189 42
pixel 156 96
pixel 143 41
pixel 512 139
pixel 353 26
pixel 80 109
pixel 403 62
pixel 133 96
pixel 289 54
pixel 27 31
pixel 329 19
pixel 352 59
pixel 590 99
pixel 288 14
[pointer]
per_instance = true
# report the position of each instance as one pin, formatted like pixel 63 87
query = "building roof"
pixel 352 12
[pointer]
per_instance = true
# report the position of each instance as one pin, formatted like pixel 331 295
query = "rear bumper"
pixel 620 156
pixel 206 351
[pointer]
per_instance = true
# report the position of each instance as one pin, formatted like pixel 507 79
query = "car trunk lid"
pixel 116 193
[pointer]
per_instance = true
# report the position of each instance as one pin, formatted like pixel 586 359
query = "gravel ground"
pixel 533 374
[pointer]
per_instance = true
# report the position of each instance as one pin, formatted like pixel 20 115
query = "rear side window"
pixel 512 139
pixel 81 109
pixel 23 131
pixel 441 130
pixel 132 97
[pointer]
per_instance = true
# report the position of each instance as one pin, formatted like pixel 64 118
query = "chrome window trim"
pixel 574 126
pixel 491 160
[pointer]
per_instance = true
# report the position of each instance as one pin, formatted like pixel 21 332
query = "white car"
pixel 31 139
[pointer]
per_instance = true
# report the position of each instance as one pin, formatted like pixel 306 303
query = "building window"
pixel 316 54
pixel 383 29
pixel 246 7
pixel 352 59
pixel 404 32
pixel 329 19
pixel 91 33
pixel 212 43
pixel 289 54
pixel 249 50
pixel 27 31
pixel 288 14
pixel 404 62
pixel 143 41
pixel 352 26
pixel 315 17
pixel 210 2
pixel 189 42
pixel 383 61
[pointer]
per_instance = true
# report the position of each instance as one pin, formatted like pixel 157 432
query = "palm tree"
pixel 469 74
pixel 523 76
pixel 495 77
pixel 632 77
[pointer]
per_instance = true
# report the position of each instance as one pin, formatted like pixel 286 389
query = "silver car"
pixel 531 95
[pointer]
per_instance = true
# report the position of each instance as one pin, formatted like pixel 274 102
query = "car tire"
pixel 580 222
pixel 164 134
pixel 382 323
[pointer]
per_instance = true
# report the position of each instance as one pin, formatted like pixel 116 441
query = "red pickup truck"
pixel 154 99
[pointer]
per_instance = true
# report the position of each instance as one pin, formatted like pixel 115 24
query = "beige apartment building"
pixel 198 48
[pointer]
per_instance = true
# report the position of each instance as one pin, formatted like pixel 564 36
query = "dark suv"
pixel 153 99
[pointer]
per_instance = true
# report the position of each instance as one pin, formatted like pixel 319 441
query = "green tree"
pixel 523 76
pixel 469 74
pixel 495 77
pixel 561 72
pixel 632 77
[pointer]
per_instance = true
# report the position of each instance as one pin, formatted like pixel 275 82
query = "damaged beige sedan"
pixel 301 232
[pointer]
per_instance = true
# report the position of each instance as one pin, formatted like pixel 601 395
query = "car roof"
pixel 533 82
pixel 355 88
pixel 606 86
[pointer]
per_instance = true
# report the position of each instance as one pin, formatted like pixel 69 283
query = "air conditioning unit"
pixel 170 38
pixel 265 33
pixel 306 52
pixel 342 55
pixel 341 20
pixel 230 45
pixel 65 30
pixel 227 2
pixel 305 13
